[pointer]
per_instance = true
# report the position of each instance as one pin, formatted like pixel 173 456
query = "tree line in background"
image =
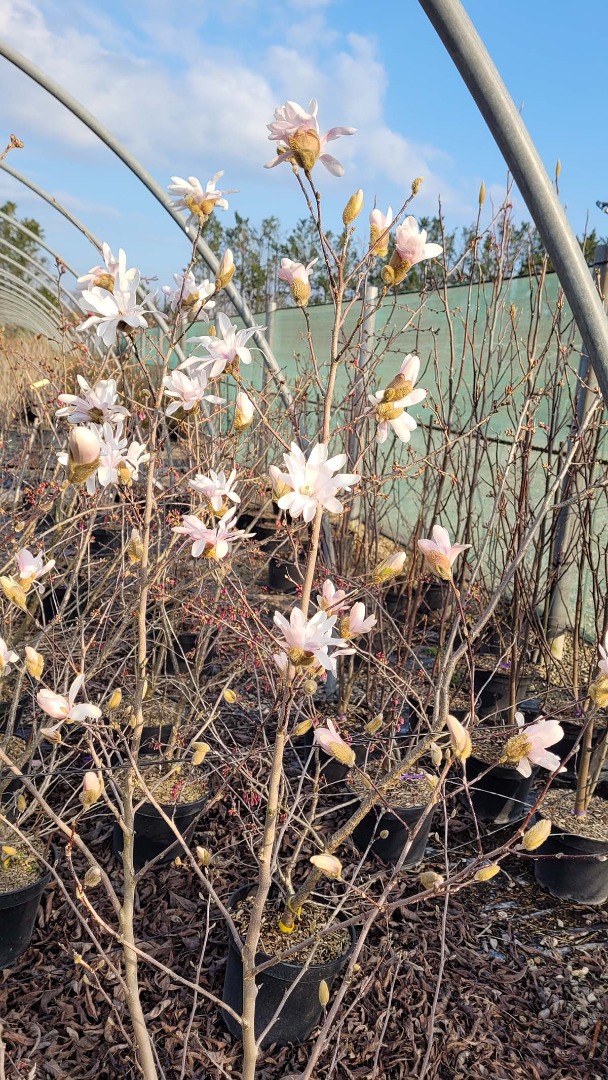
pixel 258 250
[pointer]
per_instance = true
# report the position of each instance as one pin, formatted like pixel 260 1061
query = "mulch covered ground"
pixel 523 994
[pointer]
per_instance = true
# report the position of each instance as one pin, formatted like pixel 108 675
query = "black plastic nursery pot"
pixel 179 654
pixel 493 690
pixel 573 867
pixel 502 797
pixel 261 528
pixel 154 839
pixel 52 601
pixel 17 918
pixel 398 824
pixel 105 540
pixel 5 711
pixel 283 575
pixel 302 1009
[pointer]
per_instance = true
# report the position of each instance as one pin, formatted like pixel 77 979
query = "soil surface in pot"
pixel 18 867
pixel 559 806
pixel 274 942
pixel 411 789
pixel 173 782
pixel 14 748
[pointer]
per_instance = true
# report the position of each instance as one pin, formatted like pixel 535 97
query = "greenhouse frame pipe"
pixel 128 159
pixel 41 243
pixel 39 266
pixel 498 109
pixel 35 297
pixel 93 240
pixel 41 324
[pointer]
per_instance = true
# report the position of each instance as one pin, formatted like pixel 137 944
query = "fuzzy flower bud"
pixel 417 184
pixel 459 738
pixel 92 877
pixel 229 696
pixel 243 411
pixel 135 548
pixel 430 880
pixel 302 727
pixel 436 754
pixel 323 993
pixel 487 872
pixel 482 194
pixel 13 592
pixel 115 700
pixel 203 855
pixel 537 835
pixel 309 687
pixel 389 568
pixel 598 691
pixel 353 207
pixel 374 724
pixel 34 662
pixel 226 271
pixel 306 147
pixel 83 454
pixel 92 787
pixel 201 749
pixel 328 865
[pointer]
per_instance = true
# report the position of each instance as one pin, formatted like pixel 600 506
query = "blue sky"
pixel 189 88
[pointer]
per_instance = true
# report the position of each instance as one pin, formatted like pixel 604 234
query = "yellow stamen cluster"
pixel 518 747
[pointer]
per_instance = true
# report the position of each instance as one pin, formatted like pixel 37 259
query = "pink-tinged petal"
pixel 382 432
pixel 432 251
pixel 524 767
pixel 75 688
pixel 338 133
pixel 441 537
pixel 53 704
pixel 427 547
pixel 410 368
pixel 80 712
pixel 332 165
pixel 278 160
pixel 547 760
pixel 414 397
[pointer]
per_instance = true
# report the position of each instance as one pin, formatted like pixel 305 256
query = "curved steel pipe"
pixel 498 109
pixel 128 159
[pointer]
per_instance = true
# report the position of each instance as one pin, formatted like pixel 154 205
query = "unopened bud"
pixel 203 855
pixel 389 568
pixel 459 738
pixel 342 752
pixel 430 880
pixel 487 872
pixel 34 662
pixel 417 184
pixel 201 749
pixel 83 454
pixel 328 865
pixel 374 724
pixel 353 207
pixel 323 993
pixel 92 787
pixel 558 169
pixel 384 834
pixel 482 194
pixel 243 411
pixel 436 754
pixel 21 803
pixel 226 271
pixel 598 691
pixel 115 700
pixel 51 734
pixel 229 696
pixel 135 547
pixel 279 487
pixel 537 835
pixel 309 687
pixel 13 592
pixel 302 727
pixel 92 877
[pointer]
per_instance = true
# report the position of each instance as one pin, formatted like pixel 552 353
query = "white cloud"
pixel 210 111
